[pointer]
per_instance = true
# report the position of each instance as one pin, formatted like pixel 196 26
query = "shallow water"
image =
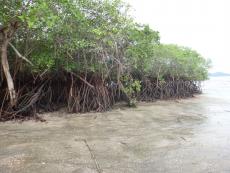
pixel 191 135
pixel 218 87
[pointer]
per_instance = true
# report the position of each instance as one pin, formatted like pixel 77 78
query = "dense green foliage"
pixel 92 36
pixel 85 37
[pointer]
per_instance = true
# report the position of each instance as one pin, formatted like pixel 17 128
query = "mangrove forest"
pixel 86 55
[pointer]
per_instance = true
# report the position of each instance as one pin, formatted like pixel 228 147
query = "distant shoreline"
pixel 219 74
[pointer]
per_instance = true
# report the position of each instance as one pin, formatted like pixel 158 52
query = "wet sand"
pixel 182 136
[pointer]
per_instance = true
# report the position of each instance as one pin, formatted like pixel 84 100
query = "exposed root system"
pixel 151 90
pixel 80 93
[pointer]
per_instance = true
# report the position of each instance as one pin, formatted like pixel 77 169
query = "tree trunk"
pixel 6 70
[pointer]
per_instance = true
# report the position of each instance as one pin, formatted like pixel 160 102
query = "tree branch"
pixel 91 86
pixel 19 55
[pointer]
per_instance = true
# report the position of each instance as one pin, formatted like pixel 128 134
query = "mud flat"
pixel 191 135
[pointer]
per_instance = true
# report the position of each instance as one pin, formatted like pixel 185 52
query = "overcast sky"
pixel 203 25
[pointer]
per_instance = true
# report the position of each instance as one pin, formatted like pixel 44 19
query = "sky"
pixel 203 25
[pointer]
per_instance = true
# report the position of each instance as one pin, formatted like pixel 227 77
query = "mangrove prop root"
pixel 170 89
pixel 80 93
